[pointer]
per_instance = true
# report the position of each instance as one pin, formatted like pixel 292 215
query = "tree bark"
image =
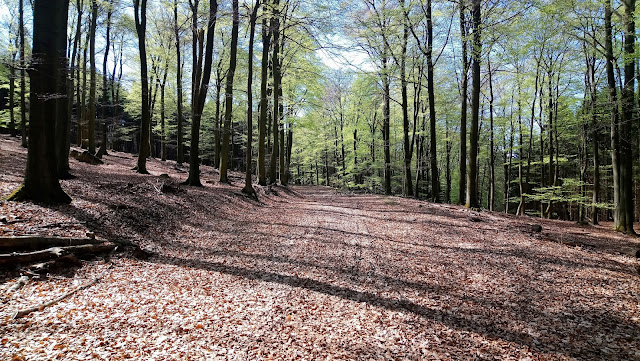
pixel 248 188
pixel 104 104
pixel 626 128
pixel 492 157
pixel 619 214
pixel 275 30
pixel 262 122
pixel 23 91
pixel 49 58
pixel 92 77
pixel 140 9
pixel 462 185
pixel 224 156
pixel 180 130
pixel 200 94
pixel 472 175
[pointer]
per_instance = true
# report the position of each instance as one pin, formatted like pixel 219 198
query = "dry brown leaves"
pixel 308 273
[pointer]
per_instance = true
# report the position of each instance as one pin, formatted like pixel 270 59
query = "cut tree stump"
pixel 54 252
pixel 33 243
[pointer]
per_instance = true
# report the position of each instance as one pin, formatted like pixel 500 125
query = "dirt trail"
pixel 310 273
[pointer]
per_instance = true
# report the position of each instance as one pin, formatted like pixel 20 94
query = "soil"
pixel 310 273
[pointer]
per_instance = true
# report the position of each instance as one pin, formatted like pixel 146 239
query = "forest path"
pixel 312 273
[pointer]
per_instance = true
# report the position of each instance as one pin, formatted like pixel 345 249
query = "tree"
pixel 199 93
pixel 472 175
pixel 105 76
pixel 625 215
pixel 224 157
pixel 48 58
pixel 92 79
pixel 23 91
pixel 140 15
pixel 176 31
pixel 462 180
pixel 277 81
pixel 248 188
pixel 262 121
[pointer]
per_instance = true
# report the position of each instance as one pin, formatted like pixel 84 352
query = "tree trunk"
pixel 12 90
pixel 386 115
pixel 462 185
pixel 275 28
pixel 552 182
pixel 49 58
pixel 105 88
pixel 92 79
pixel 140 8
pixel 619 214
pixel 626 128
pixel 163 140
pixel 472 179
pixel 248 188
pixel 224 155
pixel 492 157
pixel 180 130
pixel 200 94
pixel 262 122
pixel 23 91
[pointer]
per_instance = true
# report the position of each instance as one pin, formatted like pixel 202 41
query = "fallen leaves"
pixel 309 273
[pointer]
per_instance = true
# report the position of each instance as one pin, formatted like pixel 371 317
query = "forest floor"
pixel 311 273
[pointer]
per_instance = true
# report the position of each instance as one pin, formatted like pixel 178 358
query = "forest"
pixel 287 179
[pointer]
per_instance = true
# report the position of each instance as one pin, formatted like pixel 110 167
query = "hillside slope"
pixel 310 273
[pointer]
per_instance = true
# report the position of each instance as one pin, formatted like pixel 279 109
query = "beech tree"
pixel 200 87
pixel 140 14
pixel 48 77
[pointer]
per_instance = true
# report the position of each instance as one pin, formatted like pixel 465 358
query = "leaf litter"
pixel 310 273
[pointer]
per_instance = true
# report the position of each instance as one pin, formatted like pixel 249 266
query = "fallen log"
pixel 33 243
pixel 64 261
pixel 40 307
pixel 54 252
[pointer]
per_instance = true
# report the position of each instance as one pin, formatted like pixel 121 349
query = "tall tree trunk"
pixel 163 140
pixel 82 123
pixel 521 205
pixel 472 179
pixel 386 115
pixel 200 94
pixel 626 128
pixel 492 157
pixel 595 135
pixel 262 122
pixel 248 188
pixel 12 90
pixel 275 29
pixel 551 144
pixel 180 130
pixel 408 180
pixel 140 9
pixel 92 80
pixel 224 156
pixel 64 132
pixel 23 91
pixel 619 214
pixel 105 88
pixel 435 179
pixel 48 76
pixel 462 185
pixel 508 163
